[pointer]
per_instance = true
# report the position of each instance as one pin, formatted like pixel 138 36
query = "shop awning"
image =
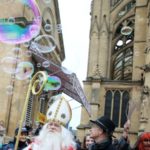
pixel 70 83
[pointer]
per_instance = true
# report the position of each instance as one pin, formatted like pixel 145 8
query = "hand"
pixel 127 125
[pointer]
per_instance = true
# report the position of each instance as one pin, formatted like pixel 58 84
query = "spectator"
pixel 143 142
pixel 22 140
pixel 123 142
pixel 87 141
pixel 102 132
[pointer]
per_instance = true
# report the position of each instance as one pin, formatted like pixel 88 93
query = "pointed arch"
pixel 48 17
pixel 108 104
pixel 116 107
pixel 125 101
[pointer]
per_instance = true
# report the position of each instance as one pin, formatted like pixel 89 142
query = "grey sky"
pixel 75 21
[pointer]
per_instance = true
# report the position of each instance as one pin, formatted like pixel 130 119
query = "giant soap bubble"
pixel 22 25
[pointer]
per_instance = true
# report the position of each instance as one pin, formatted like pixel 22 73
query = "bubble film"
pixel 14 32
pixel 8 64
pixel 24 70
pixel 53 83
pixel 46 64
pixel 48 46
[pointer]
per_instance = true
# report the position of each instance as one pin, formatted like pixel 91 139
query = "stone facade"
pixel 118 77
pixel 13 91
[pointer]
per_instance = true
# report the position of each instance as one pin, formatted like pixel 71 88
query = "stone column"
pixel 145 98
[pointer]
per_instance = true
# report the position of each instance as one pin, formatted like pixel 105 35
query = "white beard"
pixel 53 141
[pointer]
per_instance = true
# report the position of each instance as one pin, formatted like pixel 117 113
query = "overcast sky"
pixel 75 21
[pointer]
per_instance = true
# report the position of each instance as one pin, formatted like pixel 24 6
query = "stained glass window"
pixel 116 104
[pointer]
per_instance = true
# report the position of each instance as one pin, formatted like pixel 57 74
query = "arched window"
pixel 123 51
pixel 48 27
pixel 116 103
pixel 114 2
pixel 116 108
pixel 122 69
pixel 126 8
pixel 48 21
pixel 125 101
pixel 108 103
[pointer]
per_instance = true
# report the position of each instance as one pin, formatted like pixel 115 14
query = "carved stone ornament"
pixel 144 108
pixel 97 73
pixel 2 128
pixel 145 68
pixel 146 89
pixel 145 104
pixel 147 50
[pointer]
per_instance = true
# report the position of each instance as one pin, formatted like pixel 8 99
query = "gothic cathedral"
pixel 118 74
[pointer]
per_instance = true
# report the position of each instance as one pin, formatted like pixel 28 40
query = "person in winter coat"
pixel 123 142
pixel 102 132
pixel 22 140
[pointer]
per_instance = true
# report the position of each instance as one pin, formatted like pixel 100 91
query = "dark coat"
pixel 11 145
pixel 107 145
pixel 122 144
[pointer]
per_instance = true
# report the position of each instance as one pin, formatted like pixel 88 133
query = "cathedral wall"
pixel 13 91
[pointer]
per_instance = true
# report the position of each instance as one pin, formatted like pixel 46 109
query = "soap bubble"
pixel 15 29
pixel 48 27
pixel 8 64
pixel 24 70
pixel 53 83
pixel 48 45
pixel 46 64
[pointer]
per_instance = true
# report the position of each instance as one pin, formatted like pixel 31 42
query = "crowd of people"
pixel 101 137
pixel 54 135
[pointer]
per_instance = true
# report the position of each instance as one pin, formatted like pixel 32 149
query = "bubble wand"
pixel 33 85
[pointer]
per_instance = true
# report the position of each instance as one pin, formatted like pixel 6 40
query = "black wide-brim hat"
pixel 106 124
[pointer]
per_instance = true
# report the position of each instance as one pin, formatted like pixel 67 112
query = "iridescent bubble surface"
pixel 24 70
pixel 49 44
pixel 46 64
pixel 53 83
pixel 15 28
pixel 8 64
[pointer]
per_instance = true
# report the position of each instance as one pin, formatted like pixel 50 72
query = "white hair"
pixel 53 141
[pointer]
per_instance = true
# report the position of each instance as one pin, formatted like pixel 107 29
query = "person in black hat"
pixel 102 132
